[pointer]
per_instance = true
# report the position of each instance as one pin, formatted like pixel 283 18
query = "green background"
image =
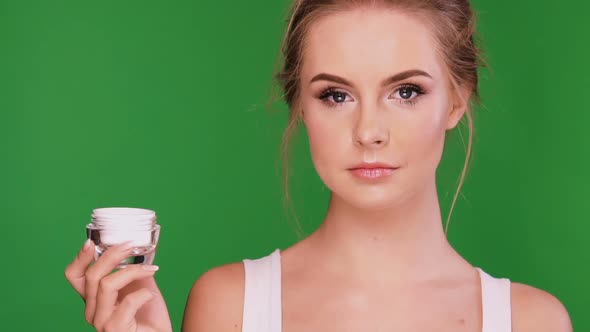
pixel 160 104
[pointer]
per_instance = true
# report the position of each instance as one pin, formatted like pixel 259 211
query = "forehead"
pixel 370 42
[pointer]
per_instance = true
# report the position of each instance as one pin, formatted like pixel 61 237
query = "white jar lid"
pixel 119 224
pixel 123 213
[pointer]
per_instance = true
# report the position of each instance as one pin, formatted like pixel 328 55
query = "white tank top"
pixel 262 298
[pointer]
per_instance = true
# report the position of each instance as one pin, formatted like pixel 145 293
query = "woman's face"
pixel 374 93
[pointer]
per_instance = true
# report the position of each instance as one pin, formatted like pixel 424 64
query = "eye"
pixel 408 94
pixel 334 97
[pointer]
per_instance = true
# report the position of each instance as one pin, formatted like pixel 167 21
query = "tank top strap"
pixel 262 294
pixel 496 308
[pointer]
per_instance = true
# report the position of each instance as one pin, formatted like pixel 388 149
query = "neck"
pixel 406 240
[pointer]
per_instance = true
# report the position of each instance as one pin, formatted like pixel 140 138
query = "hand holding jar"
pixel 124 240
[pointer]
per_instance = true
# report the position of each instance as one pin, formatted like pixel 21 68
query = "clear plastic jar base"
pixel 144 257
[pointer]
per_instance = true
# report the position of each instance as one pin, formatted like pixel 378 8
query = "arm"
pixel 216 301
pixel 536 310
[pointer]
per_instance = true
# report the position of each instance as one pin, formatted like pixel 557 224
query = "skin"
pixel 380 260
pixel 126 300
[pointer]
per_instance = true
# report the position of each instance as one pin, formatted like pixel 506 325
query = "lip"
pixel 372 171
pixel 372 166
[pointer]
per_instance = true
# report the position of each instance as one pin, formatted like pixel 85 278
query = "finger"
pixel 109 287
pixel 103 266
pixel 76 270
pixel 124 315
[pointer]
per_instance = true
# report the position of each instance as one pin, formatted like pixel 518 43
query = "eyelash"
pixel 329 92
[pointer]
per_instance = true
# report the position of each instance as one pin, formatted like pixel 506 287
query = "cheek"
pixel 423 139
pixel 327 136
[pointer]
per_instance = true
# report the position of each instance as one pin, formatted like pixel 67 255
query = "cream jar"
pixel 116 225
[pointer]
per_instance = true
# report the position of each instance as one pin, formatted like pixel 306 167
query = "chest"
pixel 338 307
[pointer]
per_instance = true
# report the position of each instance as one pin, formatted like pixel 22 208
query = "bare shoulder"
pixel 536 310
pixel 216 300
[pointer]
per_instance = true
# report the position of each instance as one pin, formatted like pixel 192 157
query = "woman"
pixel 377 85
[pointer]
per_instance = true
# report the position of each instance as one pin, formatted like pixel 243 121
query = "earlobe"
pixel 455 114
pixel 458 107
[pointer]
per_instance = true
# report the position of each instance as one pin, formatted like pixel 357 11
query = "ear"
pixel 459 105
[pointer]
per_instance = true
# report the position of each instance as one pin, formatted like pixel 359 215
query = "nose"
pixel 370 131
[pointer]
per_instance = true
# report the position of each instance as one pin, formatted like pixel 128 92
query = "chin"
pixel 372 199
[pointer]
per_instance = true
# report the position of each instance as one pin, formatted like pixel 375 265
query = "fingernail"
pixel 86 245
pixel 151 268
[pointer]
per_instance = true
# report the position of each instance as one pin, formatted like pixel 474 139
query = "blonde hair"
pixel 453 24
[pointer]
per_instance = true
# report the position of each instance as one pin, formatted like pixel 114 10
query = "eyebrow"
pixel 392 79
